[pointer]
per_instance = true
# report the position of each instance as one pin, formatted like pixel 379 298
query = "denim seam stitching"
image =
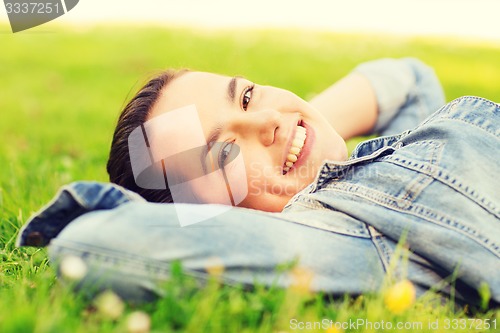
pixel 415 187
pixel 462 120
pixel 325 175
pixel 450 107
pixel 382 250
pixel 346 231
pixel 444 177
pixel 421 212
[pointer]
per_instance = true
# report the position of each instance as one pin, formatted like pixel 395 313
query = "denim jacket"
pixel 434 186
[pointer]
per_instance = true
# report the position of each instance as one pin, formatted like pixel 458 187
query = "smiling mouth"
pixel 295 149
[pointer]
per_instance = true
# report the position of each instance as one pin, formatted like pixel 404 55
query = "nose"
pixel 261 125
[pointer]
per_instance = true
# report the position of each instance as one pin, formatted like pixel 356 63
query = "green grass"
pixel 61 91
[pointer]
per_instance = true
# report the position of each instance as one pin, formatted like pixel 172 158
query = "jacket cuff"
pixel 70 202
pixel 392 80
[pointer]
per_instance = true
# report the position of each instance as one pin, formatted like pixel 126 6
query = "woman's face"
pixel 282 139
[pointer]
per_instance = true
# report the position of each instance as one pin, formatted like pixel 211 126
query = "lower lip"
pixel 306 149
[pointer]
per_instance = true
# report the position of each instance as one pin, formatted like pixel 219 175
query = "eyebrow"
pixel 231 89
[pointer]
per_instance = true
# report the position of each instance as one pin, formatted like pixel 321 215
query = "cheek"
pixel 258 165
pixel 335 148
pixel 261 175
pixel 258 177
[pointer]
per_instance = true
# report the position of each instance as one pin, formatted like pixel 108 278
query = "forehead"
pixel 202 89
pixel 181 119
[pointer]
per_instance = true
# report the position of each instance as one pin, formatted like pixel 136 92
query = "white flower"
pixel 109 305
pixel 73 268
pixel 138 322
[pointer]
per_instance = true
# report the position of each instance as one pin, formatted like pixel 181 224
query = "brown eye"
pixel 247 96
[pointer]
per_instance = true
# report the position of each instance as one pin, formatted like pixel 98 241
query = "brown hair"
pixel 134 115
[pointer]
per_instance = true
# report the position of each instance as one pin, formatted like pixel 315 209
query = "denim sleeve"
pixel 407 92
pixel 128 244
pixel 72 201
pixel 129 249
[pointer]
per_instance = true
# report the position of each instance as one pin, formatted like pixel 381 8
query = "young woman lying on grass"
pixel 430 179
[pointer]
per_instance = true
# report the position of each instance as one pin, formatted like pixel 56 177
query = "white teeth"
pixel 291 158
pixel 297 144
pixel 294 150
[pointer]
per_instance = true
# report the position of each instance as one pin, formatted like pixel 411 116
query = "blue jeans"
pixel 435 184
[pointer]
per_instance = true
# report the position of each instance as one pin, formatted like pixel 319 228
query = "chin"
pixel 340 153
pixel 343 153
